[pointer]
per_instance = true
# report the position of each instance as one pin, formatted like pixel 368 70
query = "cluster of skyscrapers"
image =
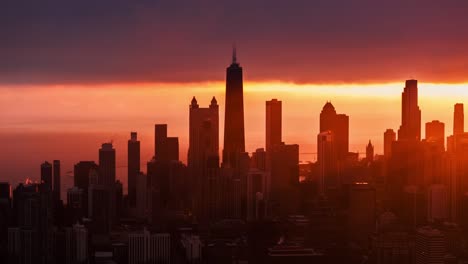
pixel 408 205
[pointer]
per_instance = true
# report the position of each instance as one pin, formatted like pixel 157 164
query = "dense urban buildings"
pixel 405 204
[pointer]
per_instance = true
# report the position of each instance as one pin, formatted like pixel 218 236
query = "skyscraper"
pixel 430 246
pixel 458 119
pixel 284 177
pixel 106 164
pixel 338 124
pixel 273 124
pixel 133 167
pixel 326 159
pixel 57 187
pixel 435 132
pixel 203 154
pixel 361 213
pixel 145 247
pixel 46 175
pixel 369 152
pixel 81 173
pixel 234 137
pixel 165 148
pixel 410 128
pixel 389 138
pixel 160 136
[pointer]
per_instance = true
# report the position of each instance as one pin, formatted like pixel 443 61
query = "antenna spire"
pixel 234 54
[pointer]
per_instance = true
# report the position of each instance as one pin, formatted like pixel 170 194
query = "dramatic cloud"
pixel 316 41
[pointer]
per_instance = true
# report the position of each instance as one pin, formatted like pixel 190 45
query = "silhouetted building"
pixel 166 148
pixel 100 208
pixel 361 213
pixel 370 152
pixel 76 244
pixel 410 128
pixel 203 155
pixel 46 175
pixel 258 160
pixel 256 194
pixel 234 135
pixel 430 246
pixel 193 248
pixel 284 178
pixel 338 124
pixel 4 190
pixel 273 124
pixel 435 132
pixel 133 167
pixel 5 216
pixel 160 136
pixel 141 196
pixel 76 204
pixel 34 219
pixel 458 119
pixel 82 171
pixel 389 138
pixel 57 180
pixel 165 189
pixel 106 165
pixel 149 248
pixel 437 203
pixel 327 162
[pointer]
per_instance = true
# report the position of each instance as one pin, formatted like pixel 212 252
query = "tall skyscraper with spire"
pixel 234 135
pixel 410 128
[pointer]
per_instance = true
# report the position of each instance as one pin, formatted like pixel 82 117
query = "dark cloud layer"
pixel 88 41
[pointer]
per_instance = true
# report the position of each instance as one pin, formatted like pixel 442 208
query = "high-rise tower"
pixel 458 119
pixel 389 138
pixel 410 128
pixel 46 175
pixel 203 157
pixel 106 164
pixel 57 184
pixel 339 125
pixel 133 167
pixel 273 124
pixel 234 138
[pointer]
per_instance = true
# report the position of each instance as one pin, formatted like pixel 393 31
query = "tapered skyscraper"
pixel 410 128
pixel 234 138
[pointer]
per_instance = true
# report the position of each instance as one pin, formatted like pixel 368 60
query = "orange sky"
pixel 69 122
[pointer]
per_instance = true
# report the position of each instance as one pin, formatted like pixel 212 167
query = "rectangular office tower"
pixel 203 156
pixel 165 148
pixel 273 124
pixel 133 167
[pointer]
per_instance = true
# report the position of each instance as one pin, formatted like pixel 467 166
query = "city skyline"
pixel 292 118
pixel 238 185
pixel 233 132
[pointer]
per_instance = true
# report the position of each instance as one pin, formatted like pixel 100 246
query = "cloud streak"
pixel 113 41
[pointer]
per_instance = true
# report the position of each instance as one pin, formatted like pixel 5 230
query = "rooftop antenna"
pixel 234 54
